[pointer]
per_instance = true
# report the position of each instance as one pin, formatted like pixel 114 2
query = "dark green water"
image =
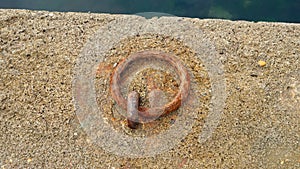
pixel 251 10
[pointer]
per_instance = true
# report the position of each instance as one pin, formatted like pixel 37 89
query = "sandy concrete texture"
pixel 260 126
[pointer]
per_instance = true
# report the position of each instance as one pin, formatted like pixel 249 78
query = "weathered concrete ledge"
pixel 39 128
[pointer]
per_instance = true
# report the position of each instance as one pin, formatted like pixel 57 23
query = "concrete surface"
pixel 39 128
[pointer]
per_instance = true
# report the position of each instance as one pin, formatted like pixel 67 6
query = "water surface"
pixel 251 10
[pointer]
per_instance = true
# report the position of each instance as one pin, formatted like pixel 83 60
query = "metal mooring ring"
pixel 137 114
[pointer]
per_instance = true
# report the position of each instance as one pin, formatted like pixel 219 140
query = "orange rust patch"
pixel 104 69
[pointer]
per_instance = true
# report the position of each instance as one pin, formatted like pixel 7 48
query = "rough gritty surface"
pixel 38 126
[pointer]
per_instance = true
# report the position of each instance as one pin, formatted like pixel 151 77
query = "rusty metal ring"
pixel 173 105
